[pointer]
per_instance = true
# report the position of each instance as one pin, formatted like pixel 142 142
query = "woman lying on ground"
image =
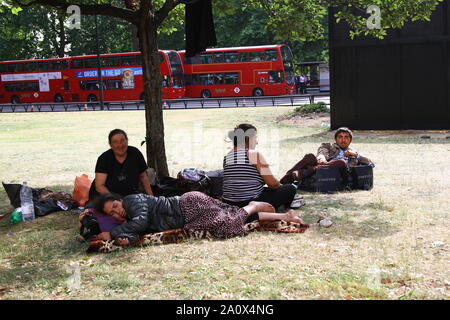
pixel 246 172
pixel 193 210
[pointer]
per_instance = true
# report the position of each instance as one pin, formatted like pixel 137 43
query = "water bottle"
pixel 26 202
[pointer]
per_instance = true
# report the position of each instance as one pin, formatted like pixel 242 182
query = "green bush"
pixel 312 108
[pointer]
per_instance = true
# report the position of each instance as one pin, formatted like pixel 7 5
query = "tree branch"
pixel 88 9
pixel 162 13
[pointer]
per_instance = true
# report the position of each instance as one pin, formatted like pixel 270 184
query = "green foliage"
pixel 302 24
pixel 319 107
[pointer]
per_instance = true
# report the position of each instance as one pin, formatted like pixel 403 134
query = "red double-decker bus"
pixel 239 71
pixel 42 80
pixel 122 76
pixel 76 79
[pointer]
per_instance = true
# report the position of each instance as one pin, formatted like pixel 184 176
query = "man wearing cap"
pixel 336 155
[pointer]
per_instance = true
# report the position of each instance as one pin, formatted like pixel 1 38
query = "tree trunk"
pixel 156 152
pixel 134 38
pixel 62 35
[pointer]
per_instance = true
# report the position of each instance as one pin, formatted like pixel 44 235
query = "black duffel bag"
pixel 191 179
pixel 360 177
pixel 216 177
pixel 167 187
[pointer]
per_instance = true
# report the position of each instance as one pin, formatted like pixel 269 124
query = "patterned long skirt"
pixel 202 212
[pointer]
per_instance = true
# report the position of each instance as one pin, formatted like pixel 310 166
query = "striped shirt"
pixel 241 179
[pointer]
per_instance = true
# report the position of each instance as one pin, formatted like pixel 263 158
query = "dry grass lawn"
pixel 389 243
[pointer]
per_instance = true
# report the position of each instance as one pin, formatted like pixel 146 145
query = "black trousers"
pixel 284 195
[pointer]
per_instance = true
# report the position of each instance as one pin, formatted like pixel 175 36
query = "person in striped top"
pixel 246 172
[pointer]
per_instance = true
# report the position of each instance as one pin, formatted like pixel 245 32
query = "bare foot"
pixel 262 206
pixel 291 216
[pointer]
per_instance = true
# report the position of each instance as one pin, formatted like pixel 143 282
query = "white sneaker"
pixel 297 203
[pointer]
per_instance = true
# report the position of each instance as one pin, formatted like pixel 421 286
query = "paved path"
pixel 170 104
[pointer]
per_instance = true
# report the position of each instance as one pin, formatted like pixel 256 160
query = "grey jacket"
pixel 148 214
pixel 329 151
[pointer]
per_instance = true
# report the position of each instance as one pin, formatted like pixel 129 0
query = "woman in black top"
pixel 120 169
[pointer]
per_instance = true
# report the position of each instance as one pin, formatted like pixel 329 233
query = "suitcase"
pixel 325 180
pixel 360 178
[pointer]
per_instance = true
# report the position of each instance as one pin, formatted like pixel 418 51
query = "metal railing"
pixel 187 103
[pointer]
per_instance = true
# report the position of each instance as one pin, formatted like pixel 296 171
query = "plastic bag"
pixel 81 190
pixel 16 216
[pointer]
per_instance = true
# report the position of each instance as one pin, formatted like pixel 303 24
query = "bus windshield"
pixel 286 55
pixel 176 69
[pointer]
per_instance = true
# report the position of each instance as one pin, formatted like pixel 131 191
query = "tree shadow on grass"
pixel 350 220
pixel 38 261
pixel 328 136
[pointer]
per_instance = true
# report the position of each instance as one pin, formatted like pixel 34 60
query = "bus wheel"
pixel 92 98
pixel 206 94
pixel 142 96
pixel 58 98
pixel 15 100
pixel 258 92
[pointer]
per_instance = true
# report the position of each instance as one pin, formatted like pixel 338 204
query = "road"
pixel 290 100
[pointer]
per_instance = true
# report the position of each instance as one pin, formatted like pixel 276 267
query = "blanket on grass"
pixel 182 235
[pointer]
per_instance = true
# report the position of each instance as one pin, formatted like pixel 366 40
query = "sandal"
pixel 297 203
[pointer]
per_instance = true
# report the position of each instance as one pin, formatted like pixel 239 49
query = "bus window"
pixel 205 58
pixel 77 63
pixel 129 60
pixel 256 56
pixel 30 66
pixel 91 63
pixel 286 54
pixel 22 86
pixel 231 78
pixel 244 57
pixel 190 60
pixel 112 84
pixel 276 77
pixel 271 55
pixel 177 81
pixel 218 78
pixel 231 57
pixel 42 66
pixel 11 67
pixel 89 85
pixel 165 81
pixel 194 79
pixel 111 62
pixel 206 79
pixel 58 65
pixel 139 60
pixel 218 57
